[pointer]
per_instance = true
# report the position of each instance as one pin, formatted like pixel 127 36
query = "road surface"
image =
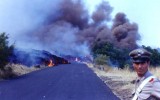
pixel 63 82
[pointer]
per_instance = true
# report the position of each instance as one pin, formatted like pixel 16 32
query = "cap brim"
pixel 140 59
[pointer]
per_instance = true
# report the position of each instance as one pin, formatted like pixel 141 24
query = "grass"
pixel 125 73
pixel 155 71
pixel 13 70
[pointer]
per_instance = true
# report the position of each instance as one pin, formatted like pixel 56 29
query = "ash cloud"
pixel 64 26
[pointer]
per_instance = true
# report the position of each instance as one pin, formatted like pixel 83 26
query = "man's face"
pixel 141 68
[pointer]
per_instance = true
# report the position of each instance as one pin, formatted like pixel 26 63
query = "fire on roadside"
pixel 76 59
pixel 50 64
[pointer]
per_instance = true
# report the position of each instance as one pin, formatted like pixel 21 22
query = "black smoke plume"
pixel 125 33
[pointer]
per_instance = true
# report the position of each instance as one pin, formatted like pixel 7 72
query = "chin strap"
pixel 141 86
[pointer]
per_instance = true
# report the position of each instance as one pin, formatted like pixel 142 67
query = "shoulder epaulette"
pixel 151 80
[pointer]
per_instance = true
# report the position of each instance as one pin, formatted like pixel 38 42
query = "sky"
pixel 143 12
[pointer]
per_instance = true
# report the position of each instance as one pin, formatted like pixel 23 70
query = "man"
pixel 147 87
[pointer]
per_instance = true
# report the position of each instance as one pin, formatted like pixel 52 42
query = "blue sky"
pixel 143 12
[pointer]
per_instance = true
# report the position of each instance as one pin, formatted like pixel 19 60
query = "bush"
pixel 101 59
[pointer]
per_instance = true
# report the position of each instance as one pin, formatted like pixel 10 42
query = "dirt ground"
pixel 119 87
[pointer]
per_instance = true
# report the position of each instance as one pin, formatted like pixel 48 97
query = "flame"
pixel 76 59
pixel 50 63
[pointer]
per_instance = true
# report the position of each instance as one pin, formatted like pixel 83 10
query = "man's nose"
pixel 139 65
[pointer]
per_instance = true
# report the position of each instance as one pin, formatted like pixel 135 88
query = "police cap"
pixel 140 55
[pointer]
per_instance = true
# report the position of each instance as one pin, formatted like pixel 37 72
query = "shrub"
pixel 101 59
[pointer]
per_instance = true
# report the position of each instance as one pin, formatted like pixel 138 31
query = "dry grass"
pixel 13 70
pixel 155 71
pixel 21 69
pixel 120 81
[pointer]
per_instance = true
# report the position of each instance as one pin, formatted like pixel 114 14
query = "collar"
pixel 147 74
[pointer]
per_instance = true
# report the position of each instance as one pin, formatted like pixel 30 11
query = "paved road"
pixel 63 82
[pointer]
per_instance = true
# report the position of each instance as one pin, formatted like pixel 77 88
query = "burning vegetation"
pixel 36 58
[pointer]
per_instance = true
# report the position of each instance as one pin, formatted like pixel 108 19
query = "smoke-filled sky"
pixel 145 13
pixel 71 26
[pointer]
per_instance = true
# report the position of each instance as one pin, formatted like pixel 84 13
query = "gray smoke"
pixel 102 13
pixel 64 26
pixel 69 31
pixel 125 33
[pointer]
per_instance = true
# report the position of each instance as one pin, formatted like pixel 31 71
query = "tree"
pixel 155 57
pixel 115 56
pixel 5 50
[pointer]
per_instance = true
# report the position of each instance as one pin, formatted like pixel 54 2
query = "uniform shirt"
pixel 151 91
